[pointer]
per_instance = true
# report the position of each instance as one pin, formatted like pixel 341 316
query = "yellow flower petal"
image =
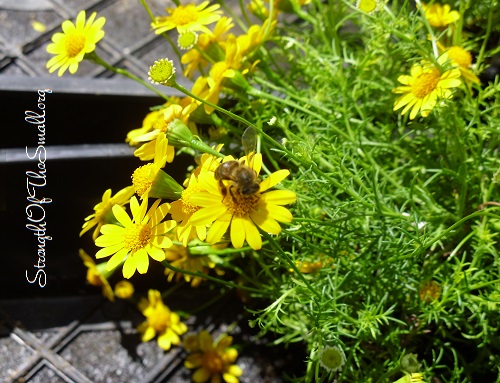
pixel 116 259
pixel 121 215
pixel 205 216
pixel 155 253
pixel 237 232
pixel 129 267
pixel 274 179
pixel 252 235
pixel 141 261
pixel 279 197
pixel 107 251
pixel 279 213
pixel 217 230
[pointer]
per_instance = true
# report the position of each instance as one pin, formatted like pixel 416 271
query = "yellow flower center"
pixel 462 57
pixel 137 236
pixel 240 205
pixel 425 83
pixel 212 361
pixel 160 319
pixel 140 179
pixel 74 44
pixel 187 207
pixel 161 124
pixel 184 15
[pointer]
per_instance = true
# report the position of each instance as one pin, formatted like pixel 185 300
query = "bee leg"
pixel 223 190
pixel 232 194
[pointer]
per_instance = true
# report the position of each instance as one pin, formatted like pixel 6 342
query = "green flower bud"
pixel 165 187
pixel 409 363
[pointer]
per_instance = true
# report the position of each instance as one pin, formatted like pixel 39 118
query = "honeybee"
pixel 243 178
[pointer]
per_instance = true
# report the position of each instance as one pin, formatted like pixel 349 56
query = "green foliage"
pixel 385 204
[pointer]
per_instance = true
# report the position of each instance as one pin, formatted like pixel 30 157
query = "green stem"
pixel 480 56
pixel 210 278
pixel 95 58
pixel 428 244
pixel 260 94
pixel 428 27
pixel 305 101
pixel 291 264
pixel 180 88
pixel 389 374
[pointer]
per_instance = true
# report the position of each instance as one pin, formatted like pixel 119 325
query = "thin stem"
pixel 260 94
pixel 210 278
pixel 480 56
pixel 292 265
pixel 165 35
pixel 294 96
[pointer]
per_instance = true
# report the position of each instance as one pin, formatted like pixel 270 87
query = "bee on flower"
pixel 233 198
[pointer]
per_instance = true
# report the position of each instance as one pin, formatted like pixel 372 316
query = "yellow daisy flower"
pixel 183 209
pixel 424 86
pixel 160 321
pixel 144 176
pixel 146 152
pixel 210 87
pixel 187 18
pixel 255 37
pixel 213 360
pixel 97 275
pixel 463 59
pixel 224 207
pixel 76 40
pixel 102 211
pixel 134 239
pixel 193 59
pixel 151 121
pixel 439 15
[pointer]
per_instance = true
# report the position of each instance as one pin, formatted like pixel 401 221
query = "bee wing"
pixel 249 141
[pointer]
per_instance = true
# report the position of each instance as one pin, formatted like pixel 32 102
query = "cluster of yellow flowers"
pixel 429 81
pixel 211 360
pixel 213 200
